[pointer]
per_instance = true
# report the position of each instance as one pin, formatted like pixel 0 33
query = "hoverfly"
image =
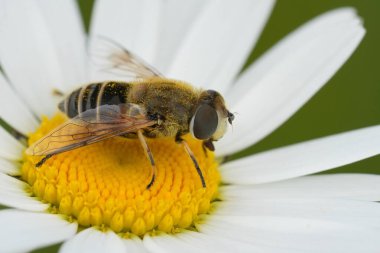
pixel 151 106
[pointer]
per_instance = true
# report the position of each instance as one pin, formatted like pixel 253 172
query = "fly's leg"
pixel 149 156
pixel 207 144
pixel 43 160
pixel 192 157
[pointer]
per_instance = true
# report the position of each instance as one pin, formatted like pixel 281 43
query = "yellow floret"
pixel 104 184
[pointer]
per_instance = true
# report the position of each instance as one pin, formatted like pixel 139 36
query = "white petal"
pixel 134 245
pixel 360 213
pixel 295 234
pixel 13 110
pixel 350 186
pixel 176 20
pixel 319 26
pixel 288 76
pixel 24 231
pixel 304 158
pixel 65 26
pixel 9 167
pixel 167 243
pixel 217 45
pixel 188 241
pixel 35 70
pixel 213 242
pixel 92 240
pixel 17 194
pixel 132 23
pixel 10 148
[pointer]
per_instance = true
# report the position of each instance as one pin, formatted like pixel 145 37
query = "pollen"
pixel 105 184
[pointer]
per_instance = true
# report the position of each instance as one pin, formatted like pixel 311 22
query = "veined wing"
pixel 92 126
pixel 112 57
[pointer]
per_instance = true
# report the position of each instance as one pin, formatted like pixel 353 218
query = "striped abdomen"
pixel 93 95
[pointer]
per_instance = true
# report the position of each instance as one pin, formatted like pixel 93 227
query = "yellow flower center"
pixel 104 184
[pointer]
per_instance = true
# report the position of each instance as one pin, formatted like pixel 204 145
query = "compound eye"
pixel 204 122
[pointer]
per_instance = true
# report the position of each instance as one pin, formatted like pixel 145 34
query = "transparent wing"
pixel 112 57
pixel 92 126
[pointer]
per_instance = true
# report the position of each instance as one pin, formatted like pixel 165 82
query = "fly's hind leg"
pixel 149 156
pixel 43 160
pixel 193 159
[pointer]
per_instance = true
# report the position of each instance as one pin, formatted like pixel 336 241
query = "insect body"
pixel 152 107
pixel 169 103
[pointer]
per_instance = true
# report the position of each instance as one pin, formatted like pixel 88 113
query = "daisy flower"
pixel 94 199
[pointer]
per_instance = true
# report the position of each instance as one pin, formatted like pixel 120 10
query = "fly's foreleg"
pixel 192 157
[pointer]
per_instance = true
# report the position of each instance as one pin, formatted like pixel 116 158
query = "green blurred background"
pixel 350 100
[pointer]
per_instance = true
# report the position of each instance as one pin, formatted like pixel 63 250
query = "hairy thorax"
pixel 173 101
